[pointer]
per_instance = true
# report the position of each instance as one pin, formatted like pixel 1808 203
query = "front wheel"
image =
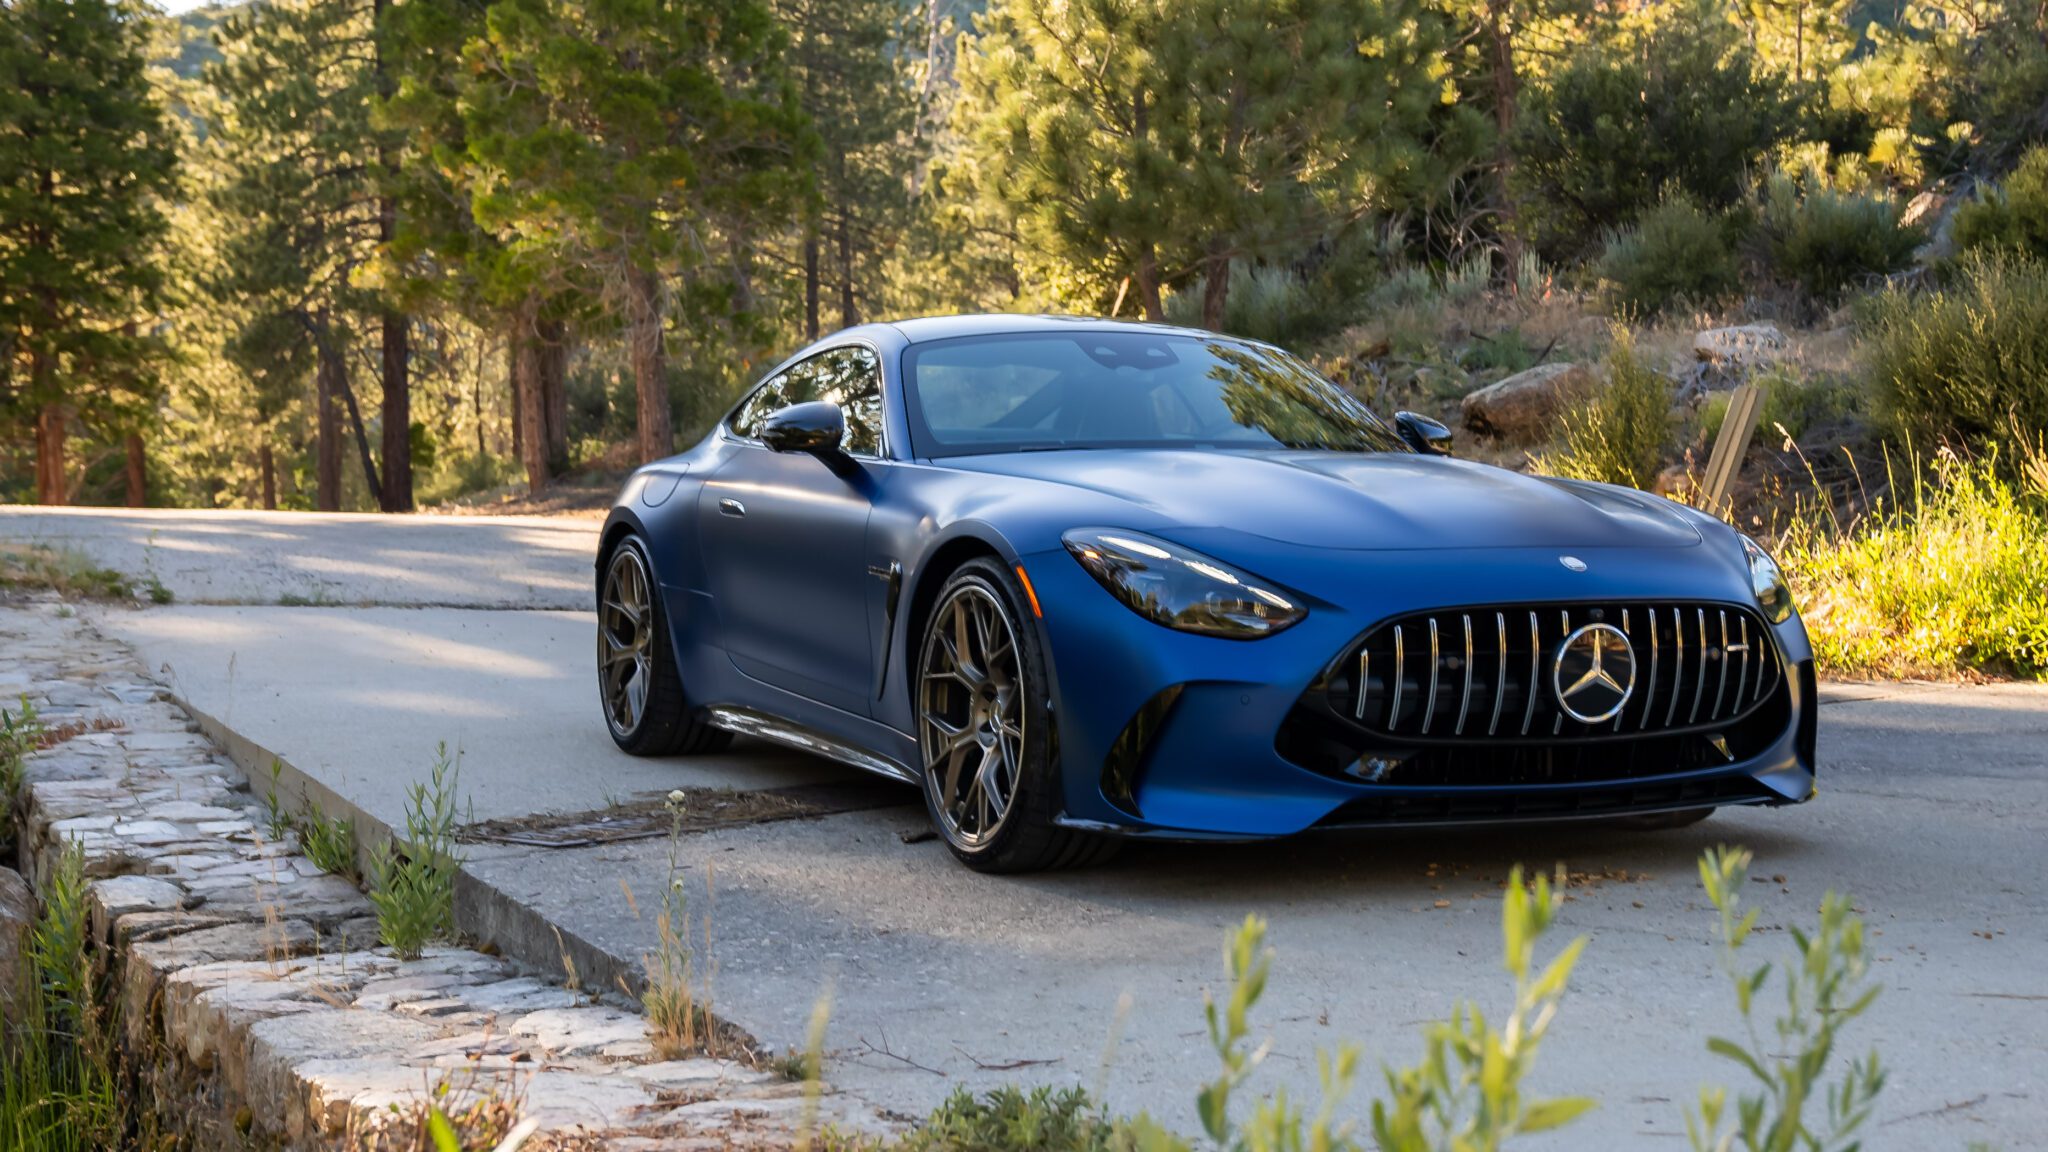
pixel 984 731
pixel 637 681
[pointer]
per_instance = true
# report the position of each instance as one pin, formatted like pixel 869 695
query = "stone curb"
pixel 254 1000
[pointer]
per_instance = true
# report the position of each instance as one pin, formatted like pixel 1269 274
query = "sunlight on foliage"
pixel 1945 576
pixel 412 882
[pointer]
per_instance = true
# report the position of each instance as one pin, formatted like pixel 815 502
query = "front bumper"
pixel 1171 735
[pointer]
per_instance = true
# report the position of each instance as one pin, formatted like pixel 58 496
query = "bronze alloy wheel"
pixel 625 642
pixel 971 713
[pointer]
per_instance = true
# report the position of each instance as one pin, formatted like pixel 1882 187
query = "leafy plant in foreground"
pixel 19 734
pixel 412 884
pixel 59 1090
pixel 1824 990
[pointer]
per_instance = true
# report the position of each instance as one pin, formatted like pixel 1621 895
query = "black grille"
pixel 1484 674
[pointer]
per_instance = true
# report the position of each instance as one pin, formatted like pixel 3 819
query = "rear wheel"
pixel 984 731
pixel 637 681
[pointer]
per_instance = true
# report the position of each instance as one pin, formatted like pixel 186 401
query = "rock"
pixel 1744 346
pixel 1522 406
pixel 116 896
pixel 17 920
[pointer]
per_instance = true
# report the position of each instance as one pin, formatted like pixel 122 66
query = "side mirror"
pixel 816 428
pixel 1423 434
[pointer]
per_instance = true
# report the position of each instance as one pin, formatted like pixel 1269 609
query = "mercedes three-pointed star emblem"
pixel 1594 673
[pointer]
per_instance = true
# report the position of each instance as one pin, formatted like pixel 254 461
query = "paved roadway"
pixel 1933 809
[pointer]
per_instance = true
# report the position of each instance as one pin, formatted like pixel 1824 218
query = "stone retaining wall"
pixel 254 999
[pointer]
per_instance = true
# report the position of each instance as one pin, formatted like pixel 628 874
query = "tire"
pixel 984 724
pixel 638 685
pixel 1662 821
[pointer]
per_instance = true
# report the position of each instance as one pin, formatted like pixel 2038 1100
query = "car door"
pixel 784 537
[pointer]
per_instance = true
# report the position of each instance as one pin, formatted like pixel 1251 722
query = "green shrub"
pixel 2011 217
pixel 1620 434
pixel 1967 363
pixel 20 732
pixel 1828 241
pixel 1948 579
pixel 1677 254
pixel 463 474
pixel 412 884
pixel 1792 405
pixel 1041 1120
pixel 1687 109
pixel 1266 302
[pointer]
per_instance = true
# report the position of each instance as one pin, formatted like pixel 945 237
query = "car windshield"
pixel 1019 392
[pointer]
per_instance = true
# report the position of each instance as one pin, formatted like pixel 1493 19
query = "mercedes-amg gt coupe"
pixel 1082 580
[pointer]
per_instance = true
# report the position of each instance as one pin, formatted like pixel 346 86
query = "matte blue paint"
pixel 782 610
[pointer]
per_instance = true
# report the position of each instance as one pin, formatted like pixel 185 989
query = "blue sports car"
pixel 1081 580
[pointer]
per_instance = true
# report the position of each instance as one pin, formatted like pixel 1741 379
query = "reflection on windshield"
pixel 1025 391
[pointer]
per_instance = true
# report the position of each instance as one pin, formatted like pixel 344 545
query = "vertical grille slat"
pixel 1677 665
pixel 1465 697
pixel 1721 689
pixel 1429 705
pixel 1622 711
pixel 1516 673
pixel 1699 684
pixel 1500 683
pixel 1529 689
pixel 1650 685
pixel 1400 680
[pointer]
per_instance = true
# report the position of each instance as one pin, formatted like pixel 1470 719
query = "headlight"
pixel 1773 595
pixel 1181 588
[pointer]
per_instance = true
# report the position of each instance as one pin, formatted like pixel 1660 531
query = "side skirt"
pixel 747 722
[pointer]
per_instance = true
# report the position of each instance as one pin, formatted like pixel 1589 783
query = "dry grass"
pixel 65 571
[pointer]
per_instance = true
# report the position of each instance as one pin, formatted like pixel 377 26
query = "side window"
pixel 850 377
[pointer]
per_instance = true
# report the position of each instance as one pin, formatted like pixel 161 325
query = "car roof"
pixel 927 328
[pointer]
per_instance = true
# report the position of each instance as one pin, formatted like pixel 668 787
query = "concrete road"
pixel 1933 808
pixel 206 557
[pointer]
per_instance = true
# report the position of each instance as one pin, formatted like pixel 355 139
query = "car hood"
pixel 1355 500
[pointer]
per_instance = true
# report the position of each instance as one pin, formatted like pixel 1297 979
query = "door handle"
pixel 731 507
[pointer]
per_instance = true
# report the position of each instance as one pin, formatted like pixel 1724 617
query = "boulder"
pixel 17 920
pixel 1522 406
pixel 1742 347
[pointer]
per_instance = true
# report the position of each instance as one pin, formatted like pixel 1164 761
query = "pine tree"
pixel 1154 139
pixel 305 193
pixel 85 158
pixel 645 138
pixel 857 84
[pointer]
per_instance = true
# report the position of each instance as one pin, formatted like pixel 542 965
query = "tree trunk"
pixel 51 427
pixel 553 354
pixel 811 284
pixel 355 420
pixel 1506 92
pixel 327 495
pixel 515 345
pixel 643 335
pixel 848 315
pixel 1147 272
pixel 1147 280
pixel 138 473
pixel 266 467
pixel 1215 286
pixel 531 427
pixel 396 495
